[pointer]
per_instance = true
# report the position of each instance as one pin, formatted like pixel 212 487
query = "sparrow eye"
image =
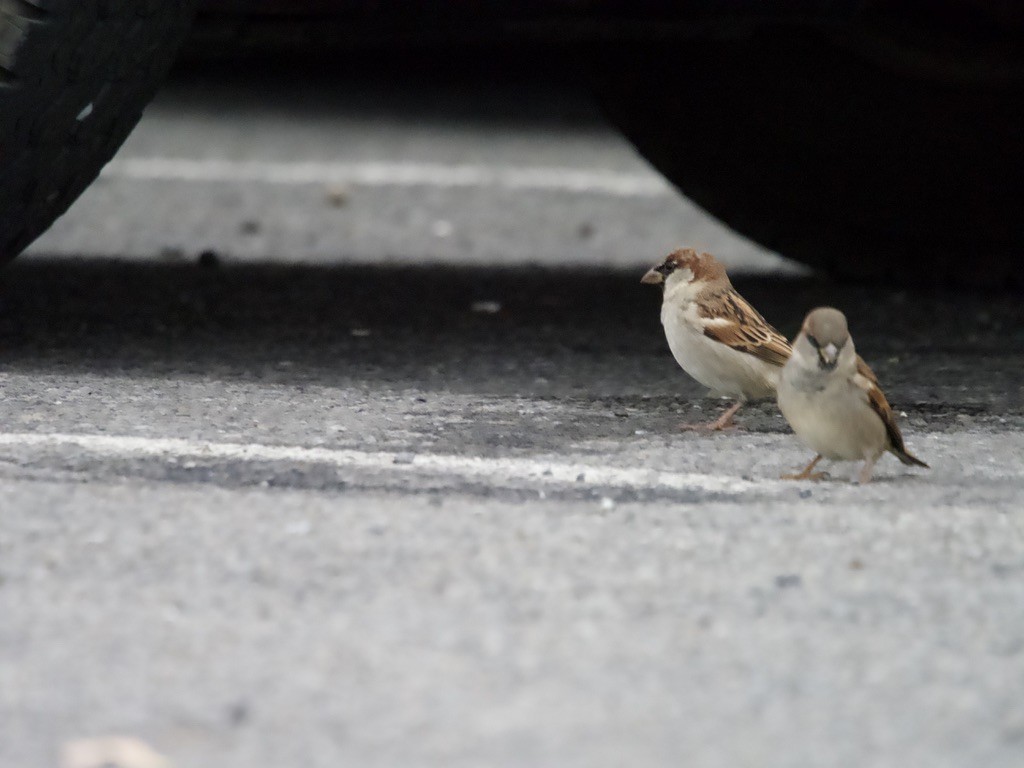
pixel 813 341
pixel 666 268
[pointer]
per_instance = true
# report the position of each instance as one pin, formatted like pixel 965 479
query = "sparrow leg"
pixel 721 423
pixel 864 476
pixel 725 420
pixel 807 473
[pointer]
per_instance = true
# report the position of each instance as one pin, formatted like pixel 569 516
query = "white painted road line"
pixel 384 174
pixel 500 472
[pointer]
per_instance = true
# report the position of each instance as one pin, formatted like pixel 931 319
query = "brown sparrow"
pixel 831 398
pixel 714 334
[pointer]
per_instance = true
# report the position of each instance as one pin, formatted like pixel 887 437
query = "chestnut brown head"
pixel 688 264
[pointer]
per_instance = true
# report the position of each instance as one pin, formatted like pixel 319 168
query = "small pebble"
pixel 238 713
pixel 485 307
pixel 337 197
pixel 106 751
pixel 788 580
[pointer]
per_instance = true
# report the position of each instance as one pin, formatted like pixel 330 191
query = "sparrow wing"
pixel 729 319
pixel 865 370
pixel 867 381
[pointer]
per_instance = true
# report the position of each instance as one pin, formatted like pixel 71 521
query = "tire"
pixel 74 78
pixel 862 159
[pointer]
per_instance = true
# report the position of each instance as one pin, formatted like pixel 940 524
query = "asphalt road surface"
pixel 364 451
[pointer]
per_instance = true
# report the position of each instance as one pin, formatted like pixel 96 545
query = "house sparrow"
pixel 831 398
pixel 714 334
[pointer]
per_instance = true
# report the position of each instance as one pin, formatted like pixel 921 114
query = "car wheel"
pixel 867 158
pixel 74 78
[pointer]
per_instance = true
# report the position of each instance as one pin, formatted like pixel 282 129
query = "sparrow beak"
pixel 828 354
pixel 652 277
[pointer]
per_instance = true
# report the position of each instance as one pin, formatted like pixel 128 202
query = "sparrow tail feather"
pixel 908 458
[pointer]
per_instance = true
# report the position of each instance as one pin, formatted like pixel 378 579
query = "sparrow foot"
pixel 720 424
pixel 815 476
pixel 708 426
pixel 864 476
pixel 808 472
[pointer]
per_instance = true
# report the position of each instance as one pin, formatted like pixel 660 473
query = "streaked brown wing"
pixel 876 398
pixel 740 326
